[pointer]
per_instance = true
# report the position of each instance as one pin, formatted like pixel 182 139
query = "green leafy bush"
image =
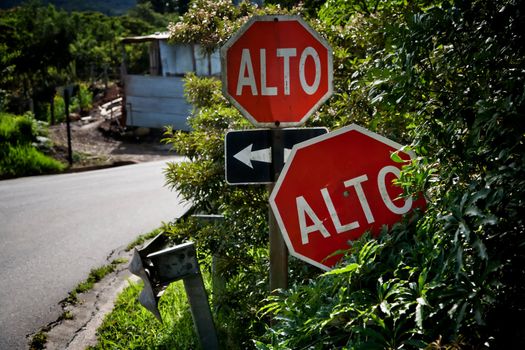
pixel 237 240
pixel 18 157
pixel 80 102
pixel 21 129
pixel 450 77
pixel 444 76
pixel 26 160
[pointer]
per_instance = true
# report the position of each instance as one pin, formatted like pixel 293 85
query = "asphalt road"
pixel 55 229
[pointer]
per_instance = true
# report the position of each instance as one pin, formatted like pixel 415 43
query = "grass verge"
pixel 131 326
pixel 18 155
pixel 143 238
pixel 94 276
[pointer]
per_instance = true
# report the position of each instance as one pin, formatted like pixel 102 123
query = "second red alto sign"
pixel 336 187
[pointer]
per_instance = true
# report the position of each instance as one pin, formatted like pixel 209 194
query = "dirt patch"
pixel 99 139
pixel 102 142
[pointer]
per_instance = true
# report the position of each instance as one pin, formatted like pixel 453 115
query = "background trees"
pixel 43 48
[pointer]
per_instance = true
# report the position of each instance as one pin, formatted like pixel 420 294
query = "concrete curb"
pixel 88 314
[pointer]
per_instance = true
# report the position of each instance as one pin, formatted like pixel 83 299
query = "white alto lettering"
pixel 246 80
pixel 356 183
pixel 246 76
pixel 381 184
pixel 310 52
pixel 303 209
pixel 265 90
pixel 286 54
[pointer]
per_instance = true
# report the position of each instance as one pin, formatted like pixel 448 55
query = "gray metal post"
pixel 200 311
pixel 180 262
pixel 278 249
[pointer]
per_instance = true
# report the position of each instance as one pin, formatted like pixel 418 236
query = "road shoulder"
pixel 79 332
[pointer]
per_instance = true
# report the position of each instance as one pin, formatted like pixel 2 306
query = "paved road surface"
pixel 55 229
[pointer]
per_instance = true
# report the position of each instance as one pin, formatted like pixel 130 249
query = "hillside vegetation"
pixel 22 140
pixel 44 48
pixel 108 7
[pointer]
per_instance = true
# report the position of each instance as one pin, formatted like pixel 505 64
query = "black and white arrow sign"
pixel 249 153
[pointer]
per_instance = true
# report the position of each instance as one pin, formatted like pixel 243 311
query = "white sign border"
pixel 288 164
pixel 239 33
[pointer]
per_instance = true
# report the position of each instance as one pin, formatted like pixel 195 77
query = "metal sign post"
pixel 68 124
pixel 278 250
pixel 276 70
pixel 160 268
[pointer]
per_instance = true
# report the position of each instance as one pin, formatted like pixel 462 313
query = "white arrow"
pixel 247 155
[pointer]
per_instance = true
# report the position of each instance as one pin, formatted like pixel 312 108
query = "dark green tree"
pixel 167 6
pixel 39 36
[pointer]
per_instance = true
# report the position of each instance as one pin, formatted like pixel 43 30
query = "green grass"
pixel 95 276
pixel 38 341
pixel 25 160
pixel 143 238
pixel 18 157
pixel 131 326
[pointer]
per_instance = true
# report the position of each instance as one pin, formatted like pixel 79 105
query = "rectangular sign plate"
pixel 251 155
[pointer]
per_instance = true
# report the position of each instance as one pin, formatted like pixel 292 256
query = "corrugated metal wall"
pixel 155 102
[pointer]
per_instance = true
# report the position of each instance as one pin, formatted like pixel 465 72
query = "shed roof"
pixel 146 38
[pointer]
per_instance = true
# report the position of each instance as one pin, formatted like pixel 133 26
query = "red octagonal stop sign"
pixel 336 187
pixel 277 70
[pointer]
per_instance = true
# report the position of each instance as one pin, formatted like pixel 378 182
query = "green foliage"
pixel 38 341
pixel 143 238
pixel 400 291
pixel 81 102
pixel 239 238
pixel 449 77
pixel 142 330
pixel 211 23
pixel 21 129
pixel 59 109
pixel 26 160
pixel 95 275
pixel 18 156
pixel 43 48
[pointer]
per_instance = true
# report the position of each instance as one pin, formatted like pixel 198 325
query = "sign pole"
pixel 68 125
pixel 278 253
pixel 278 249
pixel 293 79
